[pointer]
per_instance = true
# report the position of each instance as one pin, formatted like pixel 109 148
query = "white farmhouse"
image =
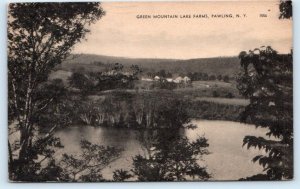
pixel 186 79
pixel 146 79
pixel 170 80
pixel 156 78
pixel 178 80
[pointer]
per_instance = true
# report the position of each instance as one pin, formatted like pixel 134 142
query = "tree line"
pixel 115 78
pixel 194 76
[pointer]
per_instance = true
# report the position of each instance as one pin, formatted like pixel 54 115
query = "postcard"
pixel 150 91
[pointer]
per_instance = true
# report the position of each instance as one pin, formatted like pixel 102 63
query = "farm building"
pixel 170 80
pixel 186 79
pixel 156 78
pixel 146 79
pixel 178 80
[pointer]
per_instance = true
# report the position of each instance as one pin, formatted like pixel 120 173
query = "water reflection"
pixel 227 161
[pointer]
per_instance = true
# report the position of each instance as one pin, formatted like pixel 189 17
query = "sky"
pixel 121 33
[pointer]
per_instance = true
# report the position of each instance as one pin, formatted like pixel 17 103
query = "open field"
pixel 60 74
pixel 211 84
pixel 229 101
pixel 201 89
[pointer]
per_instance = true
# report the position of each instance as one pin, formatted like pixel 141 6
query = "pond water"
pixel 228 160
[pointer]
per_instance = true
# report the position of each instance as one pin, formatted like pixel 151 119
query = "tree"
pixel 170 157
pixel 81 82
pixel 164 84
pixel 204 76
pixel 169 75
pixel 286 9
pixel 212 77
pixel 88 165
pixel 162 73
pixel 226 78
pixel 86 112
pixel 121 175
pixel 40 36
pixel 132 120
pixel 215 94
pixel 229 95
pixel 118 67
pixel 267 80
pixel 136 70
pixel 58 111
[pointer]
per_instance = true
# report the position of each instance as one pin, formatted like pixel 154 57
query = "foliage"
pixel 226 78
pixel 138 110
pixel 114 78
pixel 85 111
pixel 267 80
pixel 136 70
pixel 229 95
pixel 199 76
pixel 42 148
pixel 81 82
pixel 40 36
pixel 286 9
pixel 170 157
pixel 121 175
pixel 215 94
pixel 52 172
pixel 219 77
pixel 147 110
pixel 164 84
pixel 57 111
pixel 88 165
pixel 212 77
pixel 211 111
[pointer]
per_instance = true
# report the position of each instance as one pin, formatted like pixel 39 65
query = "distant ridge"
pixel 90 58
pixel 217 65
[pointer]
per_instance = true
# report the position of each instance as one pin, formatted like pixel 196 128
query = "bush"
pixel 229 95
pixel 215 94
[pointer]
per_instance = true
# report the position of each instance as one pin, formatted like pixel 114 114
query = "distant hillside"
pixel 219 65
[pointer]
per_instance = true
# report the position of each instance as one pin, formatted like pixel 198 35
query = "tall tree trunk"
pixel 11 161
pixel 25 142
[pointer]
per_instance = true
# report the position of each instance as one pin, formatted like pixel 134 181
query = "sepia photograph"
pixel 150 91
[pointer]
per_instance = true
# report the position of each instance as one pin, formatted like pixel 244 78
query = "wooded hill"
pixel 218 65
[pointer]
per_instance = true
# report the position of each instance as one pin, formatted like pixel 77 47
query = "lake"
pixel 228 160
